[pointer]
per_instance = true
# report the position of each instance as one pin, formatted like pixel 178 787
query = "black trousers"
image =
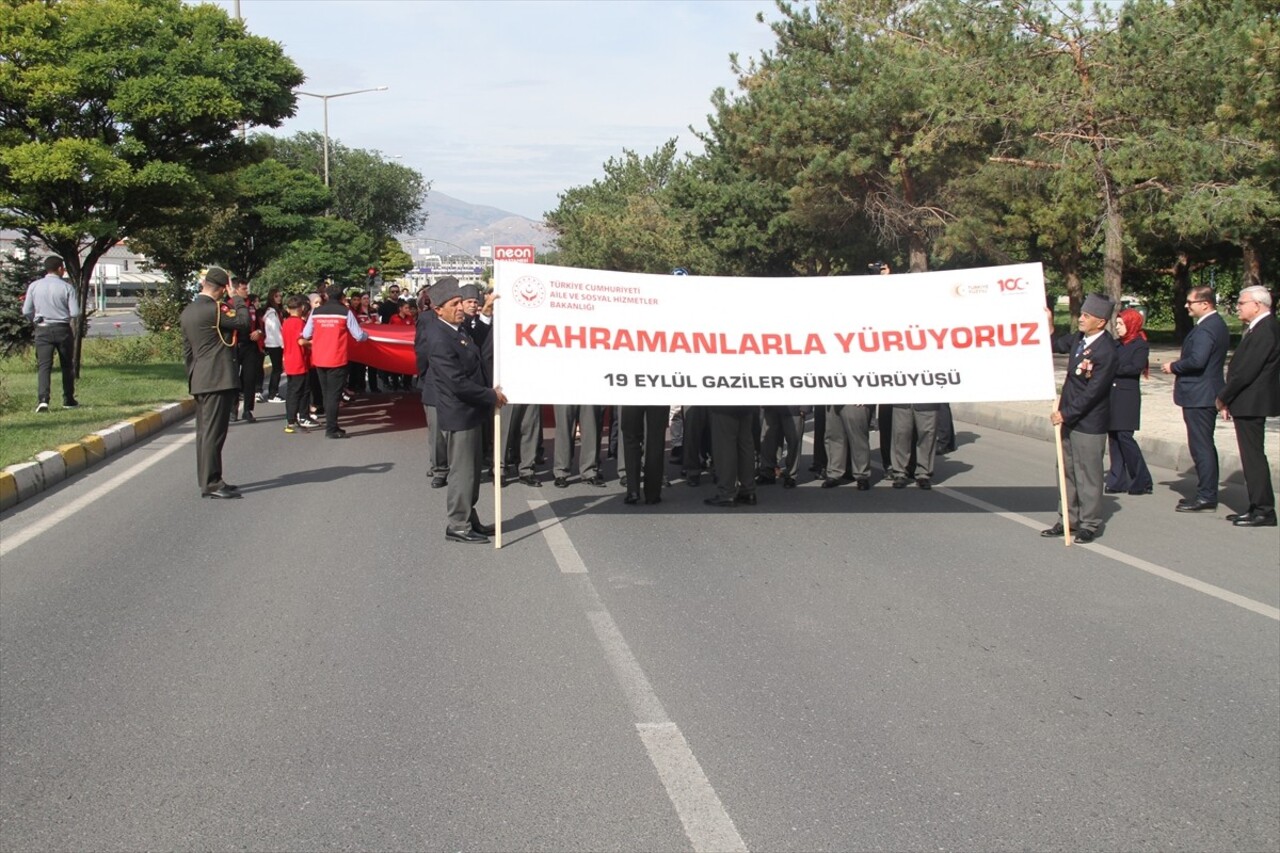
pixel 51 338
pixel 276 354
pixel 250 373
pixel 213 415
pixel 1200 422
pixel 644 427
pixel 297 400
pixel 332 381
pixel 1251 438
pixel 733 449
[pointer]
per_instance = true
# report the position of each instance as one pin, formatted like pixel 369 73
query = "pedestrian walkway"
pixel 1163 437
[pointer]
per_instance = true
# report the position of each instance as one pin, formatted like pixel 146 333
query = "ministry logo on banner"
pixel 567 335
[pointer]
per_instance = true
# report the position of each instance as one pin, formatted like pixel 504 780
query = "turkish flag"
pixel 389 348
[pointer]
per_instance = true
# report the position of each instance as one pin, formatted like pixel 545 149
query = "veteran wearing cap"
pixel 463 399
pixel 1084 412
pixel 208 339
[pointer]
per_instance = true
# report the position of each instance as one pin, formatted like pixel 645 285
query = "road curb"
pixel 27 479
pixel 1157 451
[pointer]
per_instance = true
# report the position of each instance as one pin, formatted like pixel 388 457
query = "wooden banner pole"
pixel 1062 486
pixel 497 478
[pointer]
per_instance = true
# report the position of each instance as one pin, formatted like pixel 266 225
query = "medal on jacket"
pixel 1085 367
pixel 463 340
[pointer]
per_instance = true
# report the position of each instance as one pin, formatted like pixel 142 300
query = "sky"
pixel 507 103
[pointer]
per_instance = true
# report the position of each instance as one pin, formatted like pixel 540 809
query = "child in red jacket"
pixel 297 360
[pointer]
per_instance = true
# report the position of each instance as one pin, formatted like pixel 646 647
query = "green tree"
pixel 393 260
pixel 627 220
pixel 335 249
pixel 17 270
pixel 380 197
pixel 111 111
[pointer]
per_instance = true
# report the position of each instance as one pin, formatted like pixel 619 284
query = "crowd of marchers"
pixel 228 337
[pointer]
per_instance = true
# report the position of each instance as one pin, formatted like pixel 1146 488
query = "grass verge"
pixel 119 379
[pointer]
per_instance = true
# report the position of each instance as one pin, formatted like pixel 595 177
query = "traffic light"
pixel 374 280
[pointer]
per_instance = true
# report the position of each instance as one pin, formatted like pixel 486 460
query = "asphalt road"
pixel 314 667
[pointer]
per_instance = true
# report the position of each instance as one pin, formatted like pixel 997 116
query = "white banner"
pixel 566 335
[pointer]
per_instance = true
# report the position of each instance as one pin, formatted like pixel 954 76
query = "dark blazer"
pixel 1199 370
pixel 1085 404
pixel 463 395
pixel 1126 395
pixel 426 381
pixel 482 333
pixel 207 348
pixel 1253 379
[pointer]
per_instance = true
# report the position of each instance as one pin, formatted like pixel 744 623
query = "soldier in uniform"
pixel 208 338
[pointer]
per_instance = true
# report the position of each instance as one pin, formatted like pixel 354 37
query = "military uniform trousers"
pixel 521 428
pixel 1082 453
pixel 644 427
pixel 464 452
pixel 213 416
pixel 733 449
pixel 913 430
pixel 588 420
pixel 437 445
pixel 848 435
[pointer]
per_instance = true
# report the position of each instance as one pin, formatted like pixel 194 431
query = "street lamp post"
pixel 326 99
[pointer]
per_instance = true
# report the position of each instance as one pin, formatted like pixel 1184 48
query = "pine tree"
pixel 17 270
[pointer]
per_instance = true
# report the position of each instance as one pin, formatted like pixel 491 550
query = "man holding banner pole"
pixel 1083 415
pixel 463 400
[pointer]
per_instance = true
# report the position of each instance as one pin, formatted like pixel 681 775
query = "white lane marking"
pixel 706 823
pixel 557 539
pixel 26 534
pixel 1121 557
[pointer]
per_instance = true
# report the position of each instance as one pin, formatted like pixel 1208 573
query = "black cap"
pixel 218 276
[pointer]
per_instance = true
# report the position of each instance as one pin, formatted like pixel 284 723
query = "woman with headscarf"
pixel 1128 469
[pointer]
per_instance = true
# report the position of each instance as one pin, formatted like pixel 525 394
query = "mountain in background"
pixel 469 226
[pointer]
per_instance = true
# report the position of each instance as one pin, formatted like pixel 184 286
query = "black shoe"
pixel 900 482
pixel 864 483
pixel 1257 519
pixel 71 404
pixel 597 481
pixel 1186 501
pixel 249 418
pixel 483 529
pixel 468 536
pixel 221 494
pixel 923 482
pixel 695 480
pixel 718 501
pixel 562 483
pixel 830 483
pixel 337 433
pixel 1197 506
pixel 439 482
pixel 631 498
pixel 1110 491
pixel 530 480
pixel 788 482
pixel 1233 516
pixel 230 488
pixel 1084 536
pixel 622 480
pixel 746 500
pixel 766 479
pixel 1052 532
pixel 652 501
pixel 677 453
pixel 1145 491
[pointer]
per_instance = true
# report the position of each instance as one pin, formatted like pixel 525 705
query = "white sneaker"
pixel 262 398
pixel 308 423
pixel 42 408
pixel 276 399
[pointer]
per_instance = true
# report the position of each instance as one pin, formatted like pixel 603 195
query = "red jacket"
pixel 297 359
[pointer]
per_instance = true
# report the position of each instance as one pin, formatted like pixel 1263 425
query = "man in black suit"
pixel 1084 413
pixel 1198 383
pixel 463 400
pixel 208 340
pixel 1251 395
